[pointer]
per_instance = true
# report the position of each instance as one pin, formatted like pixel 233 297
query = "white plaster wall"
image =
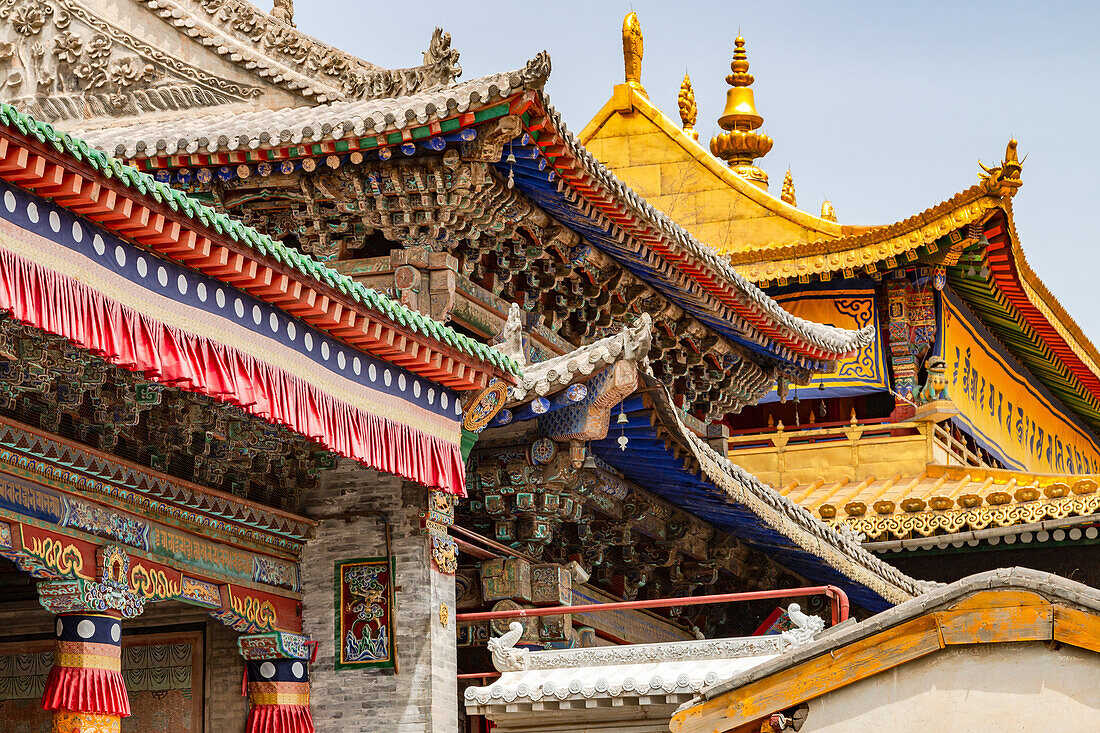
pixel 987 687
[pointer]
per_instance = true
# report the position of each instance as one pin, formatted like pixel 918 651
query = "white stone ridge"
pixel 547 377
pixel 665 671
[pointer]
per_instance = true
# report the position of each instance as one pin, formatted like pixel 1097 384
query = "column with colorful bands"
pixel 278 690
pixel 85 689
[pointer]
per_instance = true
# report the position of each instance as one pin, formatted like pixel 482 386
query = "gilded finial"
pixel 689 113
pixel 632 51
pixel 740 145
pixel 788 189
pixel 828 213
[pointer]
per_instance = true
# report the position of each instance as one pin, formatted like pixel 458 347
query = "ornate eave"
pixel 553 169
pixel 168 222
pixel 947 500
pixel 281 54
pixel 858 252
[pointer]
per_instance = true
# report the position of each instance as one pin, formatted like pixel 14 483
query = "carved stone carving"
pixel 61 61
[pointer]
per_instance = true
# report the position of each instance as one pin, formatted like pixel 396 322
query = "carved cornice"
pixel 286 57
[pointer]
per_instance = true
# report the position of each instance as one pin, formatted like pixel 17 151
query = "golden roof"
pixel 947 499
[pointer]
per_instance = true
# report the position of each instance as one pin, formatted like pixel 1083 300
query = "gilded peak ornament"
pixel 632 52
pixel 740 145
pixel 788 189
pixel 689 112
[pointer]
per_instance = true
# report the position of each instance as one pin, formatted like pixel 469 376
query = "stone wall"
pixel 421 696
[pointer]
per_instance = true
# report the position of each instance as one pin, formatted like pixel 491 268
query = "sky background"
pixel 884 108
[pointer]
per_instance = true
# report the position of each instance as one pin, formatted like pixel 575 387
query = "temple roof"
pixel 689 272
pixel 947 500
pixel 667 673
pixel 555 374
pixel 154 59
pixel 670 460
pixel 1000 606
pixel 184 208
pixel 220 132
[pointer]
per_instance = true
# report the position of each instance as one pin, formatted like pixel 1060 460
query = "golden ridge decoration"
pixel 632 52
pixel 930 522
pixel 788 190
pixel 740 145
pixel 689 111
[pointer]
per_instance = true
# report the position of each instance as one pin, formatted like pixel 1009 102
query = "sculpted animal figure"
pixel 935 386
pixel 506 658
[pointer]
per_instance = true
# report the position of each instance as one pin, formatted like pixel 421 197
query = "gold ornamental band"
pixel 280 698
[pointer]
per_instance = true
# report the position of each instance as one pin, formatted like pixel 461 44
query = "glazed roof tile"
pixel 193 209
pixel 220 132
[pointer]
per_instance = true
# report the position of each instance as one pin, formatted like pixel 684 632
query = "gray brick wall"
pixel 422 696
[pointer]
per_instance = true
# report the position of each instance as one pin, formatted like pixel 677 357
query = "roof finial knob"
pixel 739 66
pixel 740 145
pixel 689 112
pixel 788 189
pixel 828 213
pixel 632 51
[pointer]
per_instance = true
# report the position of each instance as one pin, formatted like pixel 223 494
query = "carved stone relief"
pixel 60 61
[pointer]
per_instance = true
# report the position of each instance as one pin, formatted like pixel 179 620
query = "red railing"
pixel 838 609
pixel 838 604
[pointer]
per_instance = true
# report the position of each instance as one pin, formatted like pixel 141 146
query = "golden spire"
pixel 632 52
pixel 689 113
pixel 739 146
pixel 788 189
pixel 828 213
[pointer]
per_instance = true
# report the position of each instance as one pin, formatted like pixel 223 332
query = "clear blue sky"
pixel 882 107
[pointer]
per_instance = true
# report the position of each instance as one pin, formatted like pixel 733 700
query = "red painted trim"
pixel 1003 269
pixel 66 307
pixel 137 218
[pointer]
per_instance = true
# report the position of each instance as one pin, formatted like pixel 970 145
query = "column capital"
pixel 111 595
pixel 274 645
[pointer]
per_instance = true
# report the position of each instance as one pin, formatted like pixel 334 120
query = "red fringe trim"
pixel 130 339
pixel 86 690
pixel 279 719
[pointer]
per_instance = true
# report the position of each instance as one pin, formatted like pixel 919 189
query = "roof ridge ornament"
pixel 788 189
pixel 283 10
pixel 1005 178
pixel 689 112
pixel 632 53
pixel 740 145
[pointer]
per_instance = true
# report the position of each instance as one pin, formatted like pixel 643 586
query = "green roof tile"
pixel 194 209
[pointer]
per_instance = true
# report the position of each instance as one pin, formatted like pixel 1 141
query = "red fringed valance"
pixel 86 690
pixel 279 719
pixel 128 338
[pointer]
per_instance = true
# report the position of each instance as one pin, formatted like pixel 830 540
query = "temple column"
pixel 85 689
pixel 277 668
